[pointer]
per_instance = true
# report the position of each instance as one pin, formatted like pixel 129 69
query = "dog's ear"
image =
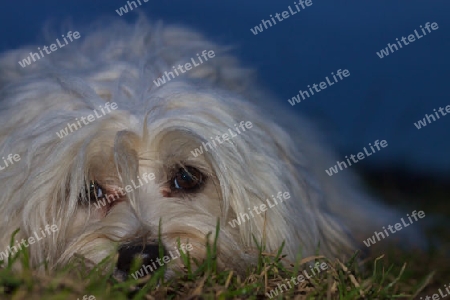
pixel 258 172
pixel 299 220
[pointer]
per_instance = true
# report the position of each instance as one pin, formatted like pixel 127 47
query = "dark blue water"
pixel 381 99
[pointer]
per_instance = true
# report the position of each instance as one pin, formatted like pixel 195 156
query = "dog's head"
pixel 120 165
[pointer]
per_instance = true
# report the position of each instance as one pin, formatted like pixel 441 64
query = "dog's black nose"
pixel 128 253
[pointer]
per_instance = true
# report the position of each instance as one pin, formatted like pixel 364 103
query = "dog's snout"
pixel 130 252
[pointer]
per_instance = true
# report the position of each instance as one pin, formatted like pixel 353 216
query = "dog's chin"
pixel 172 225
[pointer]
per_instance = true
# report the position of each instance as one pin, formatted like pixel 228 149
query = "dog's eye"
pixel 187 179
pixel 95 191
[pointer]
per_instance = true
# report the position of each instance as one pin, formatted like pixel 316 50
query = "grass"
pixel 375 278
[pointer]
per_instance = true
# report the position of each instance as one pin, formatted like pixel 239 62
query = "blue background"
pixel 381 99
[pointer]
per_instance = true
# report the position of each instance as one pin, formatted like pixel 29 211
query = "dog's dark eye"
pixel 187 179
pixel 95 191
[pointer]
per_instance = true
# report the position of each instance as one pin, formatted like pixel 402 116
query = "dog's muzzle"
pixel 128 253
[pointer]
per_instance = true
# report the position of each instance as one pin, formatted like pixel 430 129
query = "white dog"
pixel 91 118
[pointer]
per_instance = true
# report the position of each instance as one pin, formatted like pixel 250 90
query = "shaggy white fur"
pixel 154 131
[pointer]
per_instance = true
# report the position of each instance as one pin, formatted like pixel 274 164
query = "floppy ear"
pixel 300 220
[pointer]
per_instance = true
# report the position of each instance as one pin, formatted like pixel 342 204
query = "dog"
pixel 109 148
